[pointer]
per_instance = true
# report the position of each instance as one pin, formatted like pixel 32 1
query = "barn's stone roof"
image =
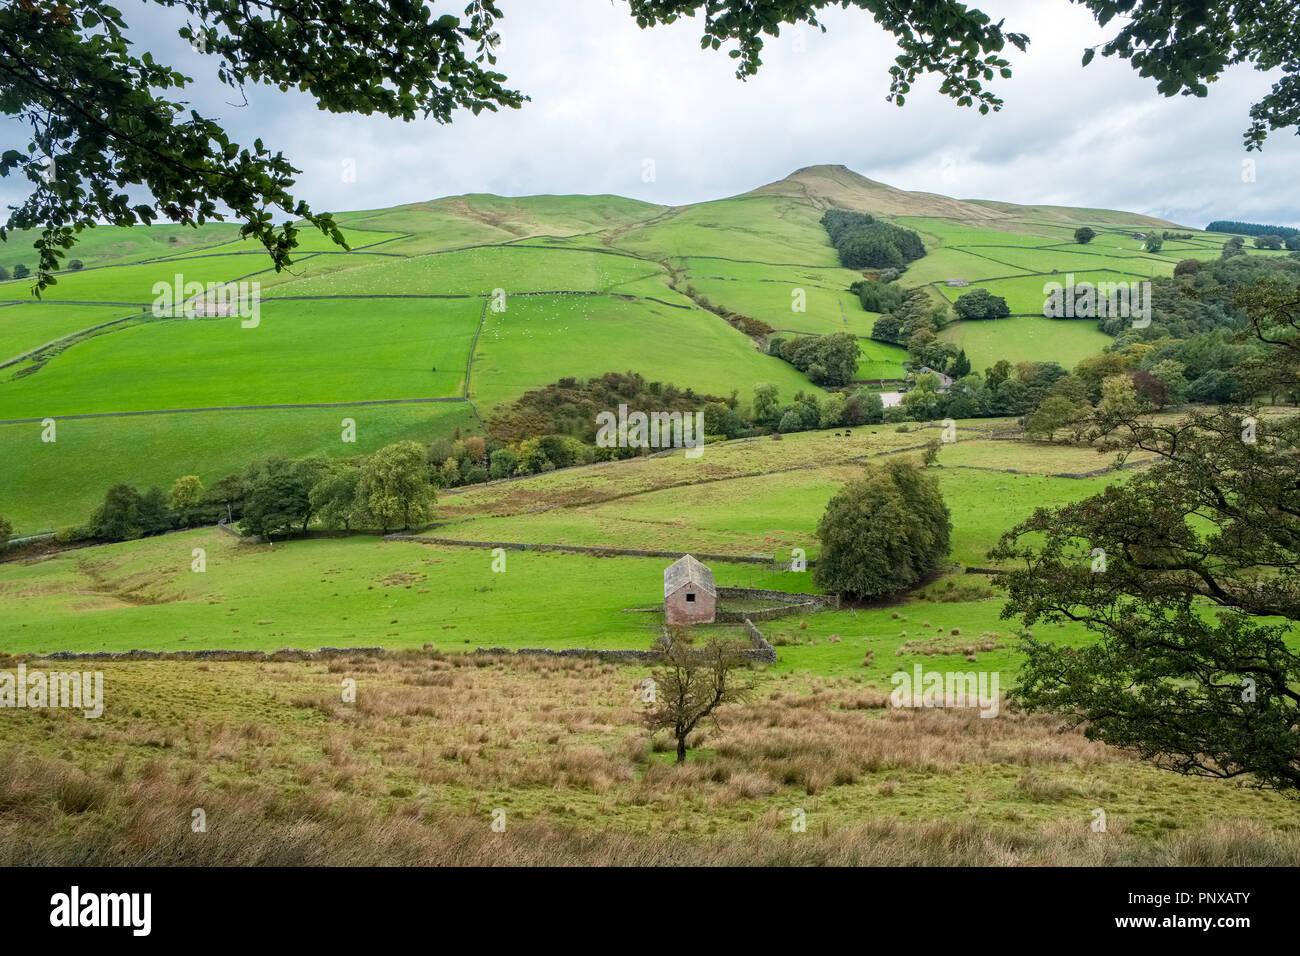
pixel 687 570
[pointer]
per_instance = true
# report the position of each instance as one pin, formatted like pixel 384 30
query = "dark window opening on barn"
pixel 690 597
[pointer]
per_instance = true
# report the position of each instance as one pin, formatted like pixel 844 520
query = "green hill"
pixel 449 309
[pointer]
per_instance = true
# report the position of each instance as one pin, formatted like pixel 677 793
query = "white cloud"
pixel 607 95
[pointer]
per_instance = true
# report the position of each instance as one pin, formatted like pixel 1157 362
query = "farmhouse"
pixel 689 594
pixel 945 381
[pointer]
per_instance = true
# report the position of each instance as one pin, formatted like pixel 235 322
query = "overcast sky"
pixel 607 96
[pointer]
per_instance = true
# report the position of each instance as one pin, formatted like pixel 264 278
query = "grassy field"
pixel 589 284
pixel 746 228
pixel 25 327
pixel 436 747
pixel 740 498
pixel 1026 339
pixel 439 739
pixel 525 344
pixel 45 486
pixel 103 244
pixel 343 350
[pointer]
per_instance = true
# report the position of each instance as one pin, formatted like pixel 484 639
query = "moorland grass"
pixel 413 771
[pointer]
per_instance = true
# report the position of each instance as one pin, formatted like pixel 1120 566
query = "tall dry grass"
pixel 288 773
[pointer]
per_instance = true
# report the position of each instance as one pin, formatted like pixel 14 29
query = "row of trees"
pixel 1129 380
pixel 1271 241
pixel 828 360
pixel 22 271
pixel 915 322
pixel 390 489
pixel 1154 241
pixel 806 412
pixel 396 486
pixel 1236 246
pixel 569 406
pixel 864 242
pixel 1251 228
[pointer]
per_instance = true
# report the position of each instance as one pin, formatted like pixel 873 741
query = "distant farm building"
pixel 945 381
pixel 689 594
pixel 957 283
pixel 211 309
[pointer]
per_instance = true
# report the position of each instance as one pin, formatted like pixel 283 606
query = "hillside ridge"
pixel 836 186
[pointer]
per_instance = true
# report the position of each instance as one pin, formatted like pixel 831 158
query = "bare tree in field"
pixel 693 681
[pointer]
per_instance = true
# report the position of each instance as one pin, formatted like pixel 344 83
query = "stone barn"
pixel 689 594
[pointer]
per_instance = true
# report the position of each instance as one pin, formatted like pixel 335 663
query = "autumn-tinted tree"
pixel 184 497
pixel 692 681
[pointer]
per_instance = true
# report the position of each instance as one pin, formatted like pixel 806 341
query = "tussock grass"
pixel 952 643
pixel 288 773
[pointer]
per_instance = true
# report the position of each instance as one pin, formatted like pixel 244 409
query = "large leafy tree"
pixel 394 488
pixel 1189 575
pixel 103 119
pixel 883 533
pixel 118 518
pixel 278 499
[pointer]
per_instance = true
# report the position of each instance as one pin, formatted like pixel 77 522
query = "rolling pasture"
pixel 472 300
pixel 747 498
pixel 404 336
